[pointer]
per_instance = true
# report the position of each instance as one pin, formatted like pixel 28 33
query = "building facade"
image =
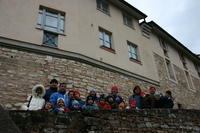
pixel 90 44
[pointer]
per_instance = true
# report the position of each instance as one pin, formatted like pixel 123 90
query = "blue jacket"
pixel 56 95
pixel 48 93
pixel 138 99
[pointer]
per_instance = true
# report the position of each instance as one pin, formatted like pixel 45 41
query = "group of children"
pixel 59 100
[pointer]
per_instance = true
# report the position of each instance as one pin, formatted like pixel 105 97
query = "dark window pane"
pixel 50 39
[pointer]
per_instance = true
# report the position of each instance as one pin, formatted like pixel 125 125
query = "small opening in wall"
pixel 11 57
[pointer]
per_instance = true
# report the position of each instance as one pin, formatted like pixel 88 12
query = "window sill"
pixel 132 27
pixel 107 13
pixel 135 60
pixel 63 34
pixel 108 49
pixel 45 45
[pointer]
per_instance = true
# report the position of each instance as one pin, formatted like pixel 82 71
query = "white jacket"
pixel 37 102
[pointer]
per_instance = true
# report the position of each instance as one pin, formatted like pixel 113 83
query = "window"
pixel 164 47
pixel 103 6
pixel 128 20
pixel 50 20
pixel 183 61
pixel 133 51
pixel 170 69
pixel 50 39
pixel 197 69
pixel 105 38
pixel 189 80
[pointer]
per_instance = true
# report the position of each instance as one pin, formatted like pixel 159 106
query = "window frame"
pixel 135 52
pixel 100 4
pixel 50 45
pixel 127 17
pixel 164 47
pixel 45 12
pixel 170 70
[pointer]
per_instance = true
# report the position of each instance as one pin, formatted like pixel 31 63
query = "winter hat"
pixel 75 102
pixel 92 90
pixel 114 88
pixel 77 92
pixel 60 99
pixel 152 87
pixel 132 101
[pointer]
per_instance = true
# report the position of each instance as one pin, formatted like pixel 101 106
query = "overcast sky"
pixel 180 18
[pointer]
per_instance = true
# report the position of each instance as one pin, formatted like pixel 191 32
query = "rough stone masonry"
pixel 21 69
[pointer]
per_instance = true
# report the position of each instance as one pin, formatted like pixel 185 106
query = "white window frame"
pixel 188 77
pixel 133 51
pixel 100 6
pixel 42 23
pixel 102 39
pixel 165 48
pixel 126 18
pixel 170 71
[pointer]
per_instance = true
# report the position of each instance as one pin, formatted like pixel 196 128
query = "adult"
pixel 93 94
pixel 61 93
pixel 149 99
pixel 52 89
pixel 168 100
pixel 137 96
pixel 35 101
pixel 114 93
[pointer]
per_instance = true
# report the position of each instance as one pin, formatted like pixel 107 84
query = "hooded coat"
pixel 36 101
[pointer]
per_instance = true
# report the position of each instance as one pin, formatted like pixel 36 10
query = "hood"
pixel 34 90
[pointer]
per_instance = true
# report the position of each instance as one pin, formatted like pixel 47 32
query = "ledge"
pixel 35 48
pixel 108 49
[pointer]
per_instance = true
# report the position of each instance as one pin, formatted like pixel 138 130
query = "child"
pixel 132 104
pixel 112 102
pixel 48 107
pixel 75 105
pixel 90 104
pixel 60 106
pixel 102 104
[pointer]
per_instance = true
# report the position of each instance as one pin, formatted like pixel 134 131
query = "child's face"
pixel 92 93
pixel 61 103
pixel 90 102
pixel 102 101
pixel 132 105
pixel 137 91
pixel 77 96
pixel 48 105
pixel 110 99
pixel 39 91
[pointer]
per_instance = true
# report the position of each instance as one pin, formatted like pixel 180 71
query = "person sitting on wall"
pixel 71 96
pixel 167 100
pixel 113 104
pixel 114 93
pixel 137 96
pixel 149 100
pixel 102 104
pixel 35 101
pixel 93 94
pixel 60 94
pixel 75 105
pixel 158 100
pixel 60 106
pixel 77 97
pixel 90 104
pixel 48 107
pixel 132 104
pixel 52 89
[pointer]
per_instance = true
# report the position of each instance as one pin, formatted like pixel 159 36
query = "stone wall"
pixel 183 94
pixel 21 70
pixel 102 121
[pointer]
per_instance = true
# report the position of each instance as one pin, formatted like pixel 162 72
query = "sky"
pixel 180 18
